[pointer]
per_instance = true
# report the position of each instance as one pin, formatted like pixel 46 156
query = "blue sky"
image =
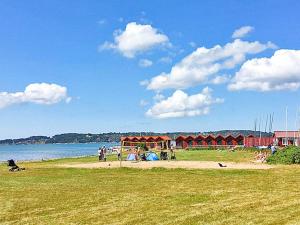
pixel 92 83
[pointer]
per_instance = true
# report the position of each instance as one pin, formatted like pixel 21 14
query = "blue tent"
pixel 131 157
pixel 151 156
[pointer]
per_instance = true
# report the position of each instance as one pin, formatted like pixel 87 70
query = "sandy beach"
pixel 169 164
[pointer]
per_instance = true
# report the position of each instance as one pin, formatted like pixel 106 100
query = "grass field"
pixel 44 194
pixel 213 155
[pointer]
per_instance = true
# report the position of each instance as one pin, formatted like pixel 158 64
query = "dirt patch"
pixel 170 164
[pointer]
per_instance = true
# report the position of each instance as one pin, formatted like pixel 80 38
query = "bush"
pixel 142 146
pixel 288 155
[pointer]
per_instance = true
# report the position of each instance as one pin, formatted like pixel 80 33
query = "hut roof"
pixel 145 138
pixel 283 134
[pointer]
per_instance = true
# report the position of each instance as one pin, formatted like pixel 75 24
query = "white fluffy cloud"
pixel 39 93
pixel 145 63
pixel 180 104
pixel 136 38
pixel 280 72
pixel 158 97
pixel 220 79
pixel 242 31
pixel 204 64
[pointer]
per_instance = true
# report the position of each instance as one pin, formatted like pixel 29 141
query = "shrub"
pixel 142 146
pixel 288 155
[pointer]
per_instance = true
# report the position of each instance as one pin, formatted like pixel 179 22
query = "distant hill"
pixel 29 140
pixel 115 137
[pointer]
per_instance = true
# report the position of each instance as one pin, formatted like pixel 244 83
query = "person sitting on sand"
pixel 258 156
pixel 261 156
pixel 135 154
pixel 264 157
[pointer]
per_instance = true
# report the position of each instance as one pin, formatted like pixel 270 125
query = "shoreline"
pixel 45 152
pixel 60 143
pixel 49 159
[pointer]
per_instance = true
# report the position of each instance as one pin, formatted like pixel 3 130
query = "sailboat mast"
pixel 266 123
pixel 286 126
pixel 259 131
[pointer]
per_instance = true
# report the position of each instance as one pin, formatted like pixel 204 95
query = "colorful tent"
pixel 151 156
pixel 131 157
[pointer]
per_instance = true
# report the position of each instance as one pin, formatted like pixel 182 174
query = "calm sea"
pixel 49 151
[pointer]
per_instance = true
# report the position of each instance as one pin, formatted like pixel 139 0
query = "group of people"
pixel 102 152
pixel 138 153
pixel 262 156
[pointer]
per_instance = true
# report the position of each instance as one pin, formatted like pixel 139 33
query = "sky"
pixel 117 66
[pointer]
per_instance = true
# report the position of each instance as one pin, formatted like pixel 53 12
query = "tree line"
pixel 115 137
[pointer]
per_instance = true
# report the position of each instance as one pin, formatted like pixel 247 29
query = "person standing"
pixel 273 149
pixel 138 153
pixel 104 153
pixel 119 154
pixel 172 152
pixel 99 153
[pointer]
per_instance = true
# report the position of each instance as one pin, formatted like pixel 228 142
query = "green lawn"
pixel 214 155
pixel 43 194
pixel 192 155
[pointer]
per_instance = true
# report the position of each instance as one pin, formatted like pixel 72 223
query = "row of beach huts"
pixel 279 138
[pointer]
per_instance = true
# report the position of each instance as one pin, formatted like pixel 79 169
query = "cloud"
pixel 143 103
pixel 280 72
pixel 192 44
pixel 180 105
pixel 144 82
pixel 38 93
pixel 165 59
pixel 145 63
pixel 220 79
pixel 205 63
pixel 242 32
pixel 136 38
pixel 158 97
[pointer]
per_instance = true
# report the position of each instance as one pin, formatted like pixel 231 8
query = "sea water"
pixel 49 151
